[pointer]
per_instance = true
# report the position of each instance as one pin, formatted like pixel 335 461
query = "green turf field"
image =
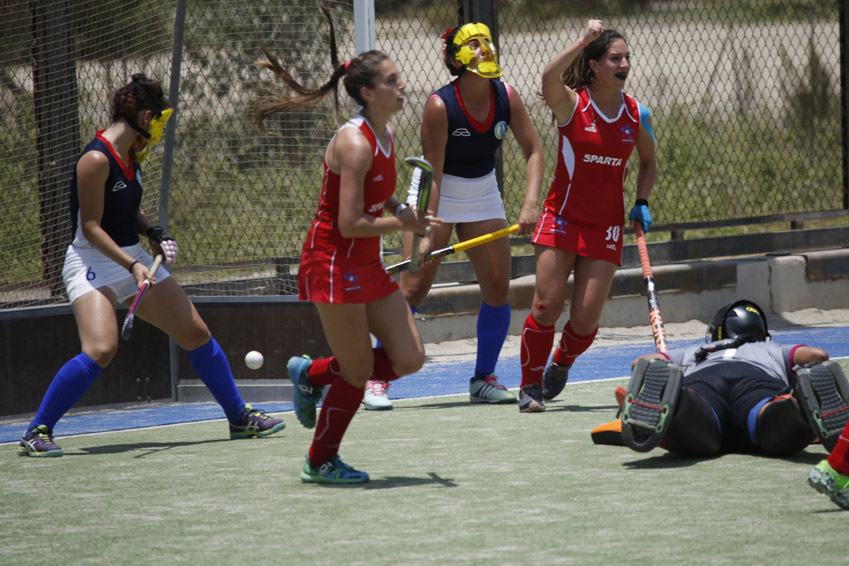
pixel 451 483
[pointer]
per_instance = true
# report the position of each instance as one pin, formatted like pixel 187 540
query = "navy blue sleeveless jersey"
pixel 121 198
pixel 471 147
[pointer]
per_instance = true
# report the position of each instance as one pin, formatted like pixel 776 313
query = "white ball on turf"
pixel 253 360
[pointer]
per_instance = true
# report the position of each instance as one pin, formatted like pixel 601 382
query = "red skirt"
pixel 596 243
pixel 325 278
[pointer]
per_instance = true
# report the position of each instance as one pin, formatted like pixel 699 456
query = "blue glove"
pixel 641 214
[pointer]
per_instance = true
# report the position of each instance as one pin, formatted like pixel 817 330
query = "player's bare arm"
pixel 804 355
pixel 560 98
pixel 526 135
pixel 434 136
pixel 648 163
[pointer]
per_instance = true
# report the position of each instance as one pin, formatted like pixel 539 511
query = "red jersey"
pixel 588 188
pixel 379 185
pixel 335 269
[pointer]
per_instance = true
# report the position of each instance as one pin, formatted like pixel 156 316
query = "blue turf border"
pixel 435 379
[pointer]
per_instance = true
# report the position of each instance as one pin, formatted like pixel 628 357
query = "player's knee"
pixel 782 429
pixel 194 337
pixel 409 363
pixel 102 354
pixel 694 430
pixel 544 314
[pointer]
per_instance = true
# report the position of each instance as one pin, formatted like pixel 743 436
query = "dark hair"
pixel 141 93
pixel 579 73
pixel 449 51
pixel 359 72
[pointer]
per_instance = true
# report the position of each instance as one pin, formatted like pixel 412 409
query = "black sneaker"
pixel 823 393
pixel 255 424
pixel 650 403
pixel 530 399
pixel 38 443
pixel 554 380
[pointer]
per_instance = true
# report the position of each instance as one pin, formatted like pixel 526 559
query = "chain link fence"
pixel 745 95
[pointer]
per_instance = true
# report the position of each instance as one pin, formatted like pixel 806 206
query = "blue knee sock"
pixel 414 310
pixel 493 324
pixel 212 367
pixel 68 386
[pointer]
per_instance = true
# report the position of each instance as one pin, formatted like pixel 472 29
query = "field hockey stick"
pixel 127 328
pixel 425 182
pixel 457 247
pixel 655 317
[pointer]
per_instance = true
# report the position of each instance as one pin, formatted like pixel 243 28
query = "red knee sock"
pixel 338 409
pixel 324 371
pixel 536 347
pixel 839 457
pixel 383 366
pixel 572 345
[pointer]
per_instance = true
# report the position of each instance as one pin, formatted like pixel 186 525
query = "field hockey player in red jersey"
pixel 341 269
pixel 580 229
pixel 105 263
pixel 463 126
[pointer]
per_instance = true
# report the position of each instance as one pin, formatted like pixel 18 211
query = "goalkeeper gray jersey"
pixel 752 359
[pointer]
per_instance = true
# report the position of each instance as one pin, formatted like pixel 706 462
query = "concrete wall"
pixel 35 343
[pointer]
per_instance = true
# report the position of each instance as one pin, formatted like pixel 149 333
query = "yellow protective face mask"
pixel 471 38
pixel 157 129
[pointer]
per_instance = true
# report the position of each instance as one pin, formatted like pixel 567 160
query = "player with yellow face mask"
pixel 473 48
pixel 463 126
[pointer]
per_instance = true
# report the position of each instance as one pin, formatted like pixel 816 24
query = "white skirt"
pixel 86 269
pixel 464 200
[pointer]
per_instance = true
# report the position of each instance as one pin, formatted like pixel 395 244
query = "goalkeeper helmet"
pixel 740 318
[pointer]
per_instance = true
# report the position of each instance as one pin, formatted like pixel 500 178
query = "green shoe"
pixel 828 481
pixel 334 471
pixel 488 390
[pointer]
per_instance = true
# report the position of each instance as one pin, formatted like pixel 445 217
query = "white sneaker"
pixel 376 398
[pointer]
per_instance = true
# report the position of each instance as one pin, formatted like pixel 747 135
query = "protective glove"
pixel 162 243
pixel 641 214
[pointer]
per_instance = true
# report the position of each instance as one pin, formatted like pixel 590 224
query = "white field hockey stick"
pixel 457 247
pixel 127 328
pixel 425 183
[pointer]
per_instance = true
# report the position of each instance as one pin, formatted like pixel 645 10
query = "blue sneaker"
pixel 333 471
pixel 306 395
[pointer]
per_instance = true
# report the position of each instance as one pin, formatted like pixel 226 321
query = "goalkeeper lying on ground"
pixel 740 392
